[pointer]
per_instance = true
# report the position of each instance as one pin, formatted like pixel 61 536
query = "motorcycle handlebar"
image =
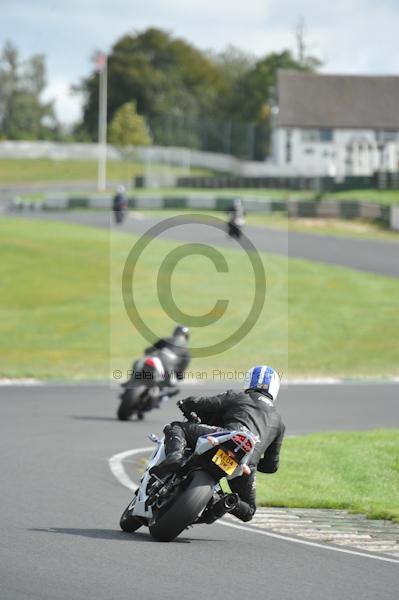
pixel 192 417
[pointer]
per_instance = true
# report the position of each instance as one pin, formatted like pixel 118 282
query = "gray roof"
pixel 338 101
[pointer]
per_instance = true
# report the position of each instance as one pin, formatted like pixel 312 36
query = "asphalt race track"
pixel 59 533
pixel 372 256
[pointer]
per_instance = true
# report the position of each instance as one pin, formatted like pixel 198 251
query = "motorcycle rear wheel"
pixel 185 510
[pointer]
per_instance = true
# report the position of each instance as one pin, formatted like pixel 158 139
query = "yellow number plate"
pixel 225 462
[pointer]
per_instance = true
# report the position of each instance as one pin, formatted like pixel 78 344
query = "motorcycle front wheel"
pixel 129 403
pixel 184 510
pixel 129 522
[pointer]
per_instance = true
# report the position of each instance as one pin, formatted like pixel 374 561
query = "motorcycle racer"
pixel 252 409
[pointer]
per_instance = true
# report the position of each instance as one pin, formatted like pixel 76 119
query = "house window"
pixel 317 135
pixel 383 137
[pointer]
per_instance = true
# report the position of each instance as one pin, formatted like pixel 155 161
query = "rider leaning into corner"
pixel 173 352
pixel 252 409
pixel 173 355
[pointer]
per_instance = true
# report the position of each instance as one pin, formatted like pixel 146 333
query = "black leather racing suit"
pixel 174 354
pixel 233 410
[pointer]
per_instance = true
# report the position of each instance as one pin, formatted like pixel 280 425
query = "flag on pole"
pixel 100 61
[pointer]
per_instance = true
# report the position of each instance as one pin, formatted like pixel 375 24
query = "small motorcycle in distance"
pixel 145 390
pixel 120 204
pixel 234 229
pixel 170 504
pixel 237 219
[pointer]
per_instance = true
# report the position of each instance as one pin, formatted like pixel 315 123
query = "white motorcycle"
pixel 170 504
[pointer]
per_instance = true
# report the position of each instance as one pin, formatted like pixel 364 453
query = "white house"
pixel 336 125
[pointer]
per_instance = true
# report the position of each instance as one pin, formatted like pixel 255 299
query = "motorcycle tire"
pixel 129 522
pixel 184 510
pixel 128 403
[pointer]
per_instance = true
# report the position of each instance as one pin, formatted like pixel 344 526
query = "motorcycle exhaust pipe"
pixel 230 501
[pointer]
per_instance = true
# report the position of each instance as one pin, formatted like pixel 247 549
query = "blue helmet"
pixel 265 380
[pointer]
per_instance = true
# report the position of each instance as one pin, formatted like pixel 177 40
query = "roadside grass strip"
pixel 61 283
pixel 353 471
pixel 38 170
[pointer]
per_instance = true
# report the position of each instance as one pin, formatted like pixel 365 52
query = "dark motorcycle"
pixel 145 390
pixel 120 205
pixel 236 220
pixel 234 229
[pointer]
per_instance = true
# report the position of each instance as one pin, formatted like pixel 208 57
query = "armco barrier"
pixel 281 179
pixel 339 210
pixel 394 218
pixel 329 210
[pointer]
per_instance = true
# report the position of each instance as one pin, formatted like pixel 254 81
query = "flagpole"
pixel 102 127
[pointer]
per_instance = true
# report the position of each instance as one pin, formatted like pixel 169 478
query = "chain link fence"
pixel 248 141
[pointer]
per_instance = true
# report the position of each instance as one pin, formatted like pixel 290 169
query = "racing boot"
pixel 175 444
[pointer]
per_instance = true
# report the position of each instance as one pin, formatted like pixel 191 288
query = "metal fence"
pixel 247 141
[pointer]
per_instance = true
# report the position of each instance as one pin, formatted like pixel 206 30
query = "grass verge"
pixel 357 471
pixel 34 170
pixel 369 195
pixel 55 302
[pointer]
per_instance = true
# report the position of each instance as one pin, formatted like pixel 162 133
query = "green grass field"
pixel 56 287
pixel 22 171
pixel 357 471
pixel 369 195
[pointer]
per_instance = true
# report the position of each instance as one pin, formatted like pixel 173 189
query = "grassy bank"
pixel 23 171
pixel 358 471
pixel 55 301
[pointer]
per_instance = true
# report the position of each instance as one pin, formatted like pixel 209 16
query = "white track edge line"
pixel 116 466
pixel 23 382
pixel 117 469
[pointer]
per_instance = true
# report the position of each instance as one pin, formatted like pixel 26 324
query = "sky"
pixel 350 36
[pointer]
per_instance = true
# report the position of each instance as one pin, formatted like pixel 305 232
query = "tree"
pixel 163 74
pixel 23 115
pixel 257 87
pixel 128 130
pixel 305 59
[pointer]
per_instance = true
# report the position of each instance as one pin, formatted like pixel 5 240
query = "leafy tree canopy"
pixel 23 115
pixel 128 129
pixel 164 75
pixel 256 89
